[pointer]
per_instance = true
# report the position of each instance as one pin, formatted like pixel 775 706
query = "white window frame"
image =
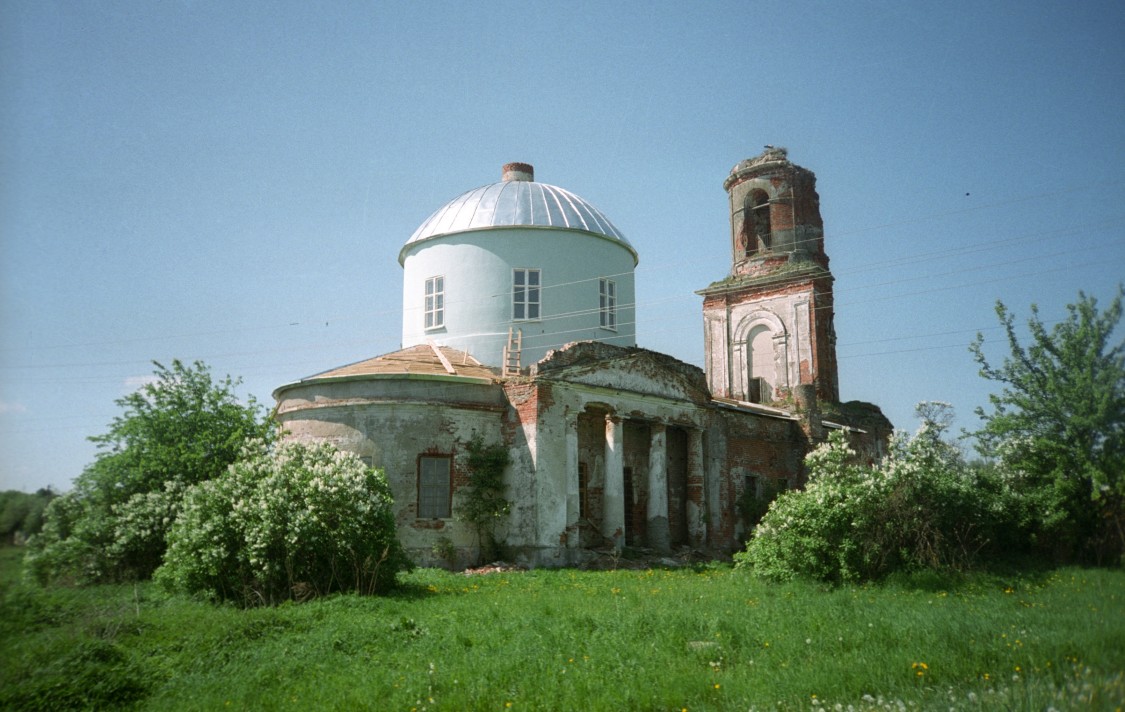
pixel 527 294
pixel 434 308
pixel 435 486
pixel 607 304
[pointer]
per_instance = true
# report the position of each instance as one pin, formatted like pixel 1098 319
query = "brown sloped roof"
pixel 422 359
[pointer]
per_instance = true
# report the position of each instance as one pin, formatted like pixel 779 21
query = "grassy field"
pixel 708 638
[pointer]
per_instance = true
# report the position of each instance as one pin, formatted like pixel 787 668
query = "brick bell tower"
pixel 768 327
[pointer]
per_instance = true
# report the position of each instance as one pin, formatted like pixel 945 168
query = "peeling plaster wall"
pixel 390 423
pixel 522 436
pixel 743 445
pixel 787 314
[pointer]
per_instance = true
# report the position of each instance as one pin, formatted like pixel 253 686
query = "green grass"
pixel 704 639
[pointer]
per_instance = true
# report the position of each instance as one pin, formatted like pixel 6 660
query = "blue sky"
pixel 232 182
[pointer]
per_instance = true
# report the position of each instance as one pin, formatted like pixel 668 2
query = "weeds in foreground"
pixel 703 639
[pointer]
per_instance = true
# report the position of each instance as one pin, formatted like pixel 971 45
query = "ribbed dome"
pixel 516 202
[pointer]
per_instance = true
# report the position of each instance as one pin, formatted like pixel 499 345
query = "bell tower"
pixel 768 325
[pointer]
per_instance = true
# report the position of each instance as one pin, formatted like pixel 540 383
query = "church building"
pixel 518 330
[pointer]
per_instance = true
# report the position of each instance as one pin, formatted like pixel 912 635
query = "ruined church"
pixel 518 329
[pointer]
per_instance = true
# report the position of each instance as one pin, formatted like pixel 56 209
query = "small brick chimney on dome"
pixel 518 171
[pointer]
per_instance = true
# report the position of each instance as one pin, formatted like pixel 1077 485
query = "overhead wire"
pixel 320 344
pixel 938 254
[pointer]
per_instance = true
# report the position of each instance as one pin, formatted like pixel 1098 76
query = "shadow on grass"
pixel 413 591
pixel 1005 577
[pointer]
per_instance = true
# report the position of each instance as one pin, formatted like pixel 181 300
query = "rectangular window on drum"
pixel 526 301
pixel 435 302
pixel 607 303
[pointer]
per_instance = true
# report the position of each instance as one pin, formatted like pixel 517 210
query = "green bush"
pixel 923 507
pixel 72 546
pixel 302 521
pixel 21 514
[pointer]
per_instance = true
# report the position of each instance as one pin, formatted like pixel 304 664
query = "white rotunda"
pixel 517 268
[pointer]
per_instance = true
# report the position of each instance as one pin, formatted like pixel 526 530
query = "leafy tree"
pixel 483 504
pixel 184 426
pixel 1057 426
pixel 179 430
pixel 301 521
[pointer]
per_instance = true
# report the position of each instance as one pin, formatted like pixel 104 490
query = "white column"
pixel 573 506
pixel 613 495
pixel 658 535
pixel 696 500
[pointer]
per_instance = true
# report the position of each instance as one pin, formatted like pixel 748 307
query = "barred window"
pixel 434 491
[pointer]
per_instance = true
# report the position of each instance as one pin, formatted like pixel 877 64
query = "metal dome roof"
pixel 517 201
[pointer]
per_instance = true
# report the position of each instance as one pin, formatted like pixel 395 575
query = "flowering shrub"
pixel 140 525
pixel 302 521
pixel 71 548
pixel 922 507
pixel 183 428
pixel 809 533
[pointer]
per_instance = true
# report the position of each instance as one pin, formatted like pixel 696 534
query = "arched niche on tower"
pixel 752 219
pixel 760 357
pixel 760 225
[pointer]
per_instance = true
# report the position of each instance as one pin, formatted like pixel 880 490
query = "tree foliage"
pixel 302 521
pixel 185 426
pixel 181 429
pixel 921 507
pixel 21 513
pixel 1057 425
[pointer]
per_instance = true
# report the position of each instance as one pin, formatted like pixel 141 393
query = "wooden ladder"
pixel 512 351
